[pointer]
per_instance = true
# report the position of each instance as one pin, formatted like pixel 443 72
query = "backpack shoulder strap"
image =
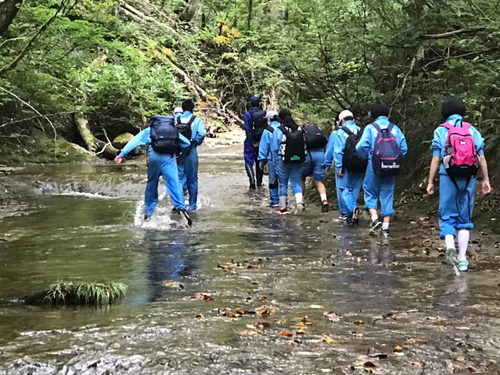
pixel 283 130
pixel 377 127
pixel 347 130
pixel 466 125
pixel 390 127
pixel 191 120
pixel 447 125
pixel 270 129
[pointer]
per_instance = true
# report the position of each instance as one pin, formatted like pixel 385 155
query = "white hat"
pixel 344 114
pixel 271 114
pixel 178 110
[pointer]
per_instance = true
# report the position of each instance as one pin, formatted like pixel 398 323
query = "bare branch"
pixel 33 109
pixel 452 33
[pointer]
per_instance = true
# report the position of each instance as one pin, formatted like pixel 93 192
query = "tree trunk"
pixel 8 11
pixel 82 124
pixel 190 11
pixel 249 17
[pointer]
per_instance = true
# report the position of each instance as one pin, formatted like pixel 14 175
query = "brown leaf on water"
pixel 286 333
pixel 172 284
pixel 398 350
pixel 299 325
pixel 359 322
pixel 204 297
pixel 240 310
pixel 254 283
pixel 265 310
pixel 263 299
pixel 199 317
pixel 263 325
pixel 301 332
pixel 304 321
pixel 416 341
pixel 250 332
pixel 332 316
pixel 357 334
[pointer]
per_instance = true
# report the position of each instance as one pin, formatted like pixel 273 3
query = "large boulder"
pixel 120 141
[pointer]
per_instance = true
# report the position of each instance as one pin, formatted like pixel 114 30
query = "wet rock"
pixel 120 141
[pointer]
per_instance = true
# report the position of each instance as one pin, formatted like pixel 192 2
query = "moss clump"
pixel 69 293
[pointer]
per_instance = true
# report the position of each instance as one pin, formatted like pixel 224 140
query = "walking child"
pixel 384 145
pixel 255 123
pixel 458 154
pixel 192 128
pixel 266 157
pixel 165 142
pixel 288 146
pixel 349 167
pixel 314 166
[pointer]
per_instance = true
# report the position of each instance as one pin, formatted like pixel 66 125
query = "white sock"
pixel 283 202
pixel 385 226
pixel 299 198
pixel 374 217
pixel 323 197
pixel 463 244
pixel 449 240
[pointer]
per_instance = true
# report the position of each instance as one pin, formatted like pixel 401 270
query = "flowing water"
pixel 397 309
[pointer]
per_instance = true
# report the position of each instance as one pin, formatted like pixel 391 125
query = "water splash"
pixel 162 219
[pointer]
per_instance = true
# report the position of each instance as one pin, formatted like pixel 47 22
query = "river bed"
pixel 394 308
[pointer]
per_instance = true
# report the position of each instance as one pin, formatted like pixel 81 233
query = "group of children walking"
pixel 368 158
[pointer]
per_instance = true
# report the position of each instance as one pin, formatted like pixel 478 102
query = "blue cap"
pixel 254 100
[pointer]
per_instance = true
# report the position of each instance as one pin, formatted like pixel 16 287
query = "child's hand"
pixel 430 188
pixel 118 160
pixel 486 187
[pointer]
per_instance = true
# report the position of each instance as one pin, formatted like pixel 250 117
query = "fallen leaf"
pixel 254 283
pixel 301 332
pixel 265 310
pixel 240 310
pixel 359 322
pixel 368 366
pixel 199 317
pixel 249 332
pixel 172 284
pixel 374 353
pixel 418 364
pixel 416 341
pixel 299 325
pixel 398 350
pixel 461 358
pixel 202 296
pixel 332 316
pixel 286 333
pixel 348 253
pixel 357 334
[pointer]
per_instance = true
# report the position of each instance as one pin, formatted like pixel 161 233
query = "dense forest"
pixel 66 64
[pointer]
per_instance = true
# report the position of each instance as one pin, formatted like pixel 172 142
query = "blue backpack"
pixel 164 135
pixel 387 159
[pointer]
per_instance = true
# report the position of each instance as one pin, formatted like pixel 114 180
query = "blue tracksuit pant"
pixel 455 206
pixel 379 188
pixel 251 154
pixel 289 172
pixel 340 185
pixel 165 166
pixel 188 168
pixel 274 193
pixel 351 193
pixel 182 178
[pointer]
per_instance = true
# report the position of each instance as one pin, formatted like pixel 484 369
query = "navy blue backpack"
pixel 387 159
pixel 164 135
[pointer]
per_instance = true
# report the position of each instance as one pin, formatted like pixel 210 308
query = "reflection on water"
pixel 244 255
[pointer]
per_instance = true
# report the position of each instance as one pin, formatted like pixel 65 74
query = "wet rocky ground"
pixel 244 291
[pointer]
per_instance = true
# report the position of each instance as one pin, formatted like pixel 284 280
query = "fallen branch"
pixel 452 33
pixel 33 109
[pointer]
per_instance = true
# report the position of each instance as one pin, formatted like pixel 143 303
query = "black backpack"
pixel 164 135
pixel 351 160
pixel 185 129
pixel 315 138
pixel 293 146
pixel 258 123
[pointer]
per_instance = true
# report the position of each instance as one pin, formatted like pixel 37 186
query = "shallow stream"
pixel 397 308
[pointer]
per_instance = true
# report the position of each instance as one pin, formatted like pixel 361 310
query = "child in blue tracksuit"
pixel 456 202
pixel 379 187
pixel 159 165
pixel 251 146
pixel 329 160
pixel 188 161
pixel 351 181
pixel 287 171
pixel 266 156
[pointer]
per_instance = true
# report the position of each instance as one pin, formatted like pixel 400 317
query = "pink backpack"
pixel 460 158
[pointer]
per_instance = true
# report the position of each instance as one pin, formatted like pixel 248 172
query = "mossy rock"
pixel 120 141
